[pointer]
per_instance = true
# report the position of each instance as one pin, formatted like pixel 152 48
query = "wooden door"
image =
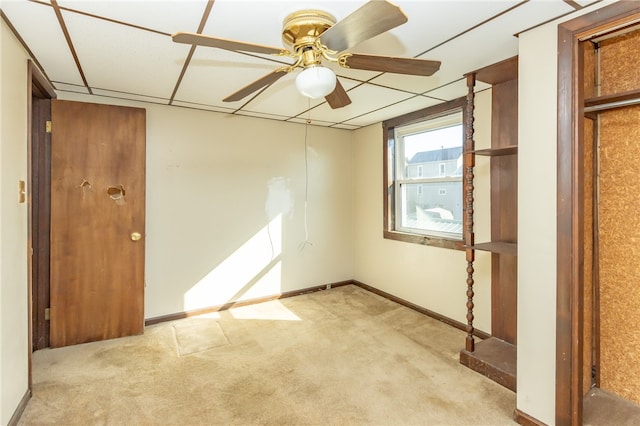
pixel 97 222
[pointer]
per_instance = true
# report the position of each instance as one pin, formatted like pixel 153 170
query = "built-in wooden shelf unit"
pixel 495 357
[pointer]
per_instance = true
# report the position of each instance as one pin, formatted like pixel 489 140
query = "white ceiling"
pixel 124 50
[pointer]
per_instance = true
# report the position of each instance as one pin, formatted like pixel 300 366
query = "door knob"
pixel 135 236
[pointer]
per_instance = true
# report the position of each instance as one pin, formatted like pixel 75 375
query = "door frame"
pixel 570 199
pixel 38 86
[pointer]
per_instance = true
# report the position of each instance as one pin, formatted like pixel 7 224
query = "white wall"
pixel 215 182
pixel 537 223
pixel 434 278
pixel 537 236
pixel 13 224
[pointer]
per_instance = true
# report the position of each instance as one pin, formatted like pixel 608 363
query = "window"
pixel 423 154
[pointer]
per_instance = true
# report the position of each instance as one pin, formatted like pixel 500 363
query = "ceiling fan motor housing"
pixel 301 29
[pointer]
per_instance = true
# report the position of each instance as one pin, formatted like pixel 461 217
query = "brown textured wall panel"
pixel 619 250
pixel 588 360
pixel 589 69
pixel 620 63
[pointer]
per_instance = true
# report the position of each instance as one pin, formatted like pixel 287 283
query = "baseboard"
pixel 427 312
pixel 211 309
pixel 526 420
pixel 13 421
pixel 239 303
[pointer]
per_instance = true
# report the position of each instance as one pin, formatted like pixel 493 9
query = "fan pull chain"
pixel 306 179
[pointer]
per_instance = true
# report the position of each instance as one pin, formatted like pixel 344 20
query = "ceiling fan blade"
pixel 373 18
pixel 223 43
pixel 263 81
pixel 391 64
pixel 338 98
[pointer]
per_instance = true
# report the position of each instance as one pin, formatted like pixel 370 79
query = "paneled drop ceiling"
pixel 123 49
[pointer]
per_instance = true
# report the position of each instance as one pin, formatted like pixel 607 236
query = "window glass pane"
pixel 432 208
pixel 433 147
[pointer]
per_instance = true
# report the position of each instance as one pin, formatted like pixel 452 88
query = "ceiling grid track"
pixel 187 61
pixel 67 36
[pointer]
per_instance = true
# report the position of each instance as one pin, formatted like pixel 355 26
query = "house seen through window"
pixel 424 178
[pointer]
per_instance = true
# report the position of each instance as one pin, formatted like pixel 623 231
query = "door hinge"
pixel 47 126
pixel 47 314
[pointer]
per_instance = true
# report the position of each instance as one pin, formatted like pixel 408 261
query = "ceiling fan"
pixel 312 36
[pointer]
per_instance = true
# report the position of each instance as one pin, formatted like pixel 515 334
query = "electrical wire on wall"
pixel 306 179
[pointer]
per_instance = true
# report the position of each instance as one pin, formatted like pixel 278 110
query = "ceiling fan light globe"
pixel 316 82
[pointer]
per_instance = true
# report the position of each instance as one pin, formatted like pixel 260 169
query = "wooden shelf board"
pixel 492 152
pixel 499 72
pixel 602 407
pixel 616 97
pixel 499 247
pixel 495 359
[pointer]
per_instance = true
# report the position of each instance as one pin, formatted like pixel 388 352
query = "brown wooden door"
pixel 97 206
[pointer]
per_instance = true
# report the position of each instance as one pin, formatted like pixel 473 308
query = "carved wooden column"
pixel 469 164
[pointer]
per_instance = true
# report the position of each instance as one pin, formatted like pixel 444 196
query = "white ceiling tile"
pixel 213 74
pixel 450 91
pixel 462 55
pixel 167 16
pixel 586 2
pixel 38 26
pixel 431 23
pixel 408 105
pixel 290 120
pixel 76 88
pixel 263 115
pixel 346 127
pixel 202 107
pixel 129 96
pixel 409 83
pixel 111 59
pixel 313 122
pixel 456 90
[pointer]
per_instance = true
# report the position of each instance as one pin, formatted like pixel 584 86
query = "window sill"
pixel 425 240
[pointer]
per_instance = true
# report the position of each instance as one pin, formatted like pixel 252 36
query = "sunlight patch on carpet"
pixel 197 335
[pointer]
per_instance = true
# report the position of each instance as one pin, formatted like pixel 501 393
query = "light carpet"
pixel 342 356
